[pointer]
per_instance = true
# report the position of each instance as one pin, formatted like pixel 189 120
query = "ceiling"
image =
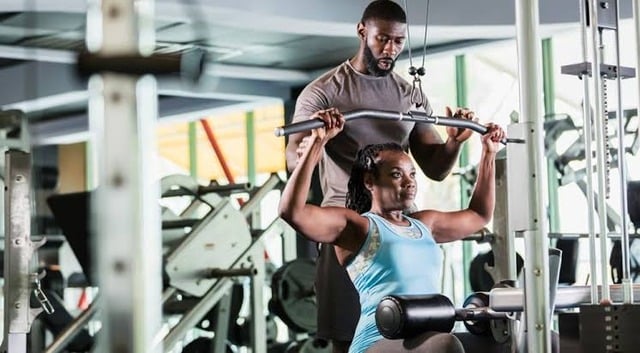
pixel 260 51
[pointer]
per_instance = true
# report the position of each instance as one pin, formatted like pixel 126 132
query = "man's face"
pixel 383 42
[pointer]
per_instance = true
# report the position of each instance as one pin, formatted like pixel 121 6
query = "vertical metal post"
pixel 463 161
pixel 600 145
pixel 259 321
pixel 193 150
pixel 636 26
pixel 251 147
pixel 549 110
pixel 127 249
pixel 627 289
pixel 588 138
pixel 18 251
pixel 536 244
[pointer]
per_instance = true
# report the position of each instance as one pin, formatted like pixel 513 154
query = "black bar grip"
pixel 300 126
pixel 235 272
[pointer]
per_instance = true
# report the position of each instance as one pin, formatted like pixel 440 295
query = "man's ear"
pixel 362 30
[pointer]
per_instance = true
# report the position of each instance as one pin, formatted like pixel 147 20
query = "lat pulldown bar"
pixel 416 117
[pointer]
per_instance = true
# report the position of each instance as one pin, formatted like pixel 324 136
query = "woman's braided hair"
pixel 358 197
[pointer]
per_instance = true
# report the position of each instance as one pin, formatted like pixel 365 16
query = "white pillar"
pixel 125 213
pixel 535 232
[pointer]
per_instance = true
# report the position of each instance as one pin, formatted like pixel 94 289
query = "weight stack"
pixel 609 329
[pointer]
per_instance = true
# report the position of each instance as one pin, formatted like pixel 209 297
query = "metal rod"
pixel 463 161
pixel 251 146
pixel 234 272
pixel 413 116
pixel 193 149
pixel 193 316
pixel 636 25
pixel 218 151
pixel 622 174
pixel 179 223
pixel 600 144
pixel 463 314
pixel 587 235
pixel 511 299
pixel 538 319
pixel 588 137
pixel 256 198
pixel 206 189
pixel 73 329
pixel 549 95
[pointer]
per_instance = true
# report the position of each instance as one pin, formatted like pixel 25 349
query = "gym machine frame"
pixel 598 16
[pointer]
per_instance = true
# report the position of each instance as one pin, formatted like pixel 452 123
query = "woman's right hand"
pixel 333 124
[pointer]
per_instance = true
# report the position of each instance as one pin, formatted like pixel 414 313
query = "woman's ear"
pixel 368 181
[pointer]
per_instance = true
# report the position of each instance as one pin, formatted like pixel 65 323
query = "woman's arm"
pixel 450 226
pixel 320 224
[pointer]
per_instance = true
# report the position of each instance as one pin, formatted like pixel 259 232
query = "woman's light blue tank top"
pixel 393 260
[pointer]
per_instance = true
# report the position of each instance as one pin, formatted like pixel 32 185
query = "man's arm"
pixel 435 157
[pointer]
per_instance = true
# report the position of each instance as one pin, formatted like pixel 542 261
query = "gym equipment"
pixel 246 261
pixel 473 301
pixel 511 299
pixel 293 296
pixel 413 116
pixel 310 345
pixel 213 242
pixel 479 278
pixel 598 17
pixel 18 251
pixel 404 316
pixel 610 328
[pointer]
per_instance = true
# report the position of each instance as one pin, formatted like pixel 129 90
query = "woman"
pixel 385 251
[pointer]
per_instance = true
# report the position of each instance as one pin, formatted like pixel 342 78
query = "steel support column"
pixel 463 161
pixel 122 118
pixel 251 147
pixel 193 149
pixel 534 230
pixel 549 95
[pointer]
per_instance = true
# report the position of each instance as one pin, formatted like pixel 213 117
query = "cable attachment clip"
pixel 417 95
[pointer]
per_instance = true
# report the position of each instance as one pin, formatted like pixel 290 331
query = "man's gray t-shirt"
pixel 347 89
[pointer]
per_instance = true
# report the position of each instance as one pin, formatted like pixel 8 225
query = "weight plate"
pixel 293 297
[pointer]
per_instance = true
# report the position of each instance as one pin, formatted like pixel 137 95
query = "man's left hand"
pixel 459 134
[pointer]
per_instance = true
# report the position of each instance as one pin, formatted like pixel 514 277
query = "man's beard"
pixel 372 63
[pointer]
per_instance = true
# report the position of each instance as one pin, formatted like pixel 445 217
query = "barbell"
pixel 405 316
pixel 413 116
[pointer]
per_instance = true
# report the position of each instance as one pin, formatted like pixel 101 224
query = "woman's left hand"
pixel 491 139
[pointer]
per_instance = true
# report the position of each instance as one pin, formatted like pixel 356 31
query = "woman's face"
pixel 394 188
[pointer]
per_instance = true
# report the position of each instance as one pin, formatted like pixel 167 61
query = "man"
pixel 366 81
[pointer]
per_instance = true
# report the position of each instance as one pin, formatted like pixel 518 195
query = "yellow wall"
pixel 72 166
